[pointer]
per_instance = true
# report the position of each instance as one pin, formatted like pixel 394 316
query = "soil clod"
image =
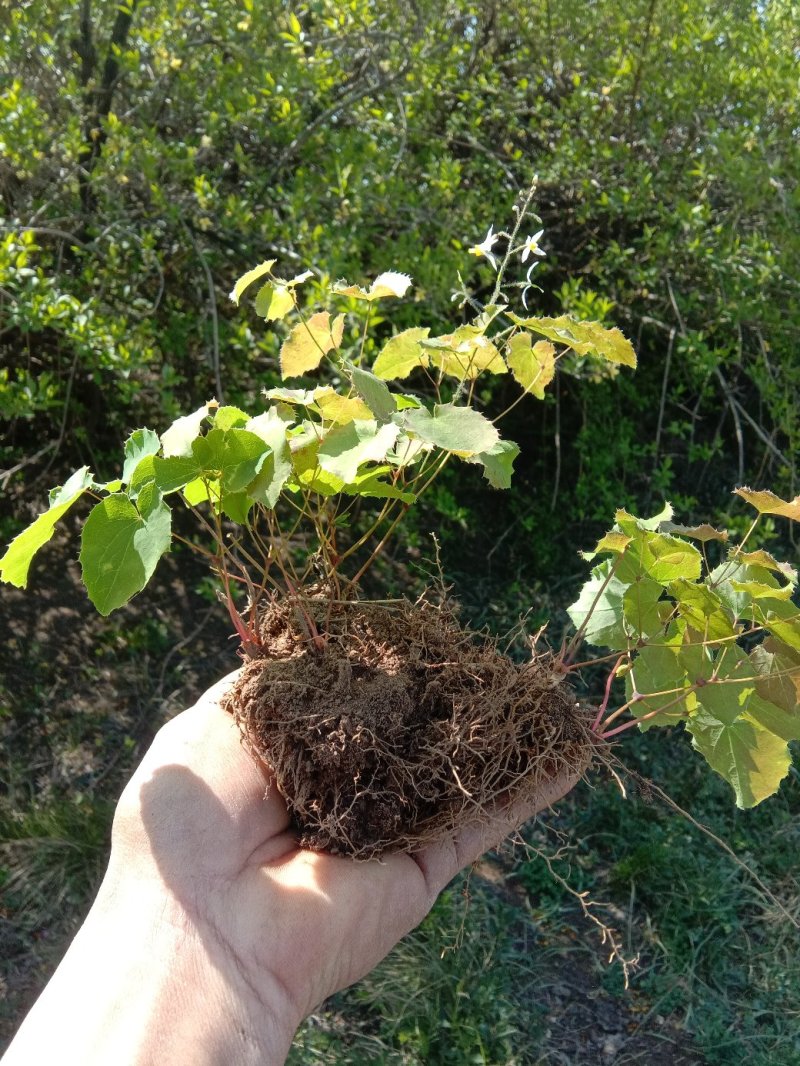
pixel 403 727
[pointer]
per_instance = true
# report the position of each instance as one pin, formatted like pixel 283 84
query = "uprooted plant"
pixel 386 722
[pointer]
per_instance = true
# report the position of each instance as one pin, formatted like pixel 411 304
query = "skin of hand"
pixel 213 935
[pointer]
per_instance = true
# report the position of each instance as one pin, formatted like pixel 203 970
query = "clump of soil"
pixel 402 726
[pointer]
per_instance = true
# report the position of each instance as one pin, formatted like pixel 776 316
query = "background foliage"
pixel 150 154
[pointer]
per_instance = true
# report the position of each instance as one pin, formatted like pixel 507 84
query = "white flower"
pixel 531 246
pixel 485 247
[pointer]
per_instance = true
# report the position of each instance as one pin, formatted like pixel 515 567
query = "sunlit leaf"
pixel 120 549
pixel 533 365
pixel 464 354
pixel 16 561
pixel 600 601
pixel 247 279
pixel 178 439
pixel 657 676
pixel 174 473
pixel 229 417
pixel 461 430
pixel 702 532
pixel 276 467
pixel 642 607
pixel 752 759
pixel 585 338
pixel 402 354
pixel 702 609
pixel 346 448
pixel 309 342
pixel 766 502
pixel 274 300
pixel 498 463
pixel 371 484
pixel 340 409
pixel 656 555
pixel 140 443
pixel 390 283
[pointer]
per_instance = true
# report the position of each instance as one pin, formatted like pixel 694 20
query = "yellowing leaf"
pixel 766 502
pixel 401 354
pixel 585 338
pixel 533 366
pixel 247 279
pixel 390 283
pixel 340 409
pixel 273 301
pixel 703 532
pixel 464 354
pixel 308 343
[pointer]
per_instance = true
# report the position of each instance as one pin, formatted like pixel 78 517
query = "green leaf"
pixel 642 608
pixel 140 443
pixel 346 448
pixel 374 392
pixel 702 609
pixel 752 759
pixel 236 505
pixel 277 466
pixel 120 549
pixel 180 436
pixel 730 581
pixel 402 354
pixel 604 610
pixel 585 338
pixel 370 484
pixel 781 618
pixel 532 365
pixel 197 491
pixel 656 555
pixel 274 300
pixel 657 675
pixel 729 685
pixel 766 502
pixel 143 474
pixel 174 473
pixel 309 342
pixel 461 430
pixel 247 279
pixel 229 418
pixel 498 463
pixel 234 457
pixel 777 671
pixel 16 561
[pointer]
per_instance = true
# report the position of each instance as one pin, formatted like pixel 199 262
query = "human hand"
pixel 224 934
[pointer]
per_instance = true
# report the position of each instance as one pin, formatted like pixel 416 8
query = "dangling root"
pixel 403 727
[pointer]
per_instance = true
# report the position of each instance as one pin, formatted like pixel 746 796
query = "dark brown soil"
pixel 401 727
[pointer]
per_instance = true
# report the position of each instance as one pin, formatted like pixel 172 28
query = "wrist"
pixel 146 983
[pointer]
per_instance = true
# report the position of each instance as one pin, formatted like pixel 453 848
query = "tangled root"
pixel 403 727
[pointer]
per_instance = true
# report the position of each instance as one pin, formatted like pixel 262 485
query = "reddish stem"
pixel 609 682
